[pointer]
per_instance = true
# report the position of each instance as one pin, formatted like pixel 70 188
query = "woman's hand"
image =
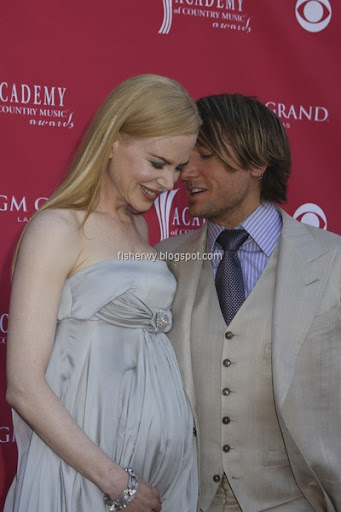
pixel 147 499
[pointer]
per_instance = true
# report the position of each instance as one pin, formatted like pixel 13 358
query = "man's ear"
pixel 256 172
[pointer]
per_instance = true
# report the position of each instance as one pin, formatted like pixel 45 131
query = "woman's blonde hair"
pixel 143 106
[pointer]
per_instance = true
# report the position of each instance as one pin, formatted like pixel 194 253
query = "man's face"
pixel 224 196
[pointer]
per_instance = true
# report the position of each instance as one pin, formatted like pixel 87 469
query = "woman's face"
pixel 140 169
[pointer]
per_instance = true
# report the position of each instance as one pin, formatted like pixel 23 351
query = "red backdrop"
pixel 59 60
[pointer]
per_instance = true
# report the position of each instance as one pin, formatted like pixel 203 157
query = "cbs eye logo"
pixel 313 15
pixel 311 214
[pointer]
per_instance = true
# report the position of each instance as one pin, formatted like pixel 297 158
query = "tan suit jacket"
pixel 306 335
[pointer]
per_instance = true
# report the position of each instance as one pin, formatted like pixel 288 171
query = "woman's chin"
pixel 139 211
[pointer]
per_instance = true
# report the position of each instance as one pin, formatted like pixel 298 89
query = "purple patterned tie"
pixel 229 278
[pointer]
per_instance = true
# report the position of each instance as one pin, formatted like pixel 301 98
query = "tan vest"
pixel 239 431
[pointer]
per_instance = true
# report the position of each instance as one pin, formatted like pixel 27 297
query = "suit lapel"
pixel 303 267
pixel 187 274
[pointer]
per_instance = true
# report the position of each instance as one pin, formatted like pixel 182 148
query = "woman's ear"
pixel 114 145
pixel 111 151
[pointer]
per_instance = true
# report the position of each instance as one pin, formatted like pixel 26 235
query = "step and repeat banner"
pixel 59 61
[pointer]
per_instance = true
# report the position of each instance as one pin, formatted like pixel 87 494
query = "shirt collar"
pixel 263 226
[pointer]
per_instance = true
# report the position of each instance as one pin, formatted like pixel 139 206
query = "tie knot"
pixel 232 239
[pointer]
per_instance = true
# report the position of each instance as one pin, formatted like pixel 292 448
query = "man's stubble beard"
pixel 209 211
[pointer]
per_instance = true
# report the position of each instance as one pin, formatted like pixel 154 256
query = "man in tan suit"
pixel 265 385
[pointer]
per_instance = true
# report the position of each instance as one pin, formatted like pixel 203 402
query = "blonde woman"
pixel 101 419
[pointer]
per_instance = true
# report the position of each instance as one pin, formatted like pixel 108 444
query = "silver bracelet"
pixel 126 497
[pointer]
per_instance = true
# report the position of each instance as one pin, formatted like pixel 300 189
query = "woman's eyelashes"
pixel 179 168
pixel 161 165
pixel 157 165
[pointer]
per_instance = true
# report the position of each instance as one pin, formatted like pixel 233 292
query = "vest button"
pixel 216 478
pixel 226 448
pixel 226 420
pixel 229 335
pixel 227 363
pixel 226 391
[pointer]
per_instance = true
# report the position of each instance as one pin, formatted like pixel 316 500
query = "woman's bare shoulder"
pixel 60 219
pixel 52 236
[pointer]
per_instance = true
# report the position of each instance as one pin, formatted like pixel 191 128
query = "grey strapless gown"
pixel 115 371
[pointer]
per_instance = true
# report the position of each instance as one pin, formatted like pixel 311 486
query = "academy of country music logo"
pixel 312 214
pixel 219 14
pixel 22 206
pixel 290 112
pixel 313 15
pixel 174 221
pixel 40 105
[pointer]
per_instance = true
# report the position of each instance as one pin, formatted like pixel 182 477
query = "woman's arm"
pixel 50 248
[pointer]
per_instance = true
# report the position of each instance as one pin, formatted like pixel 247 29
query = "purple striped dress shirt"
pixel 264 227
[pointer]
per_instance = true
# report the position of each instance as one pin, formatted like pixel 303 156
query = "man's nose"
pixel 191 170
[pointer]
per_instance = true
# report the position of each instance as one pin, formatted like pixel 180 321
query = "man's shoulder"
pixel 326 238
pixel 175 242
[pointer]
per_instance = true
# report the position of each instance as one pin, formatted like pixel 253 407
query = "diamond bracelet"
pixel 126 497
